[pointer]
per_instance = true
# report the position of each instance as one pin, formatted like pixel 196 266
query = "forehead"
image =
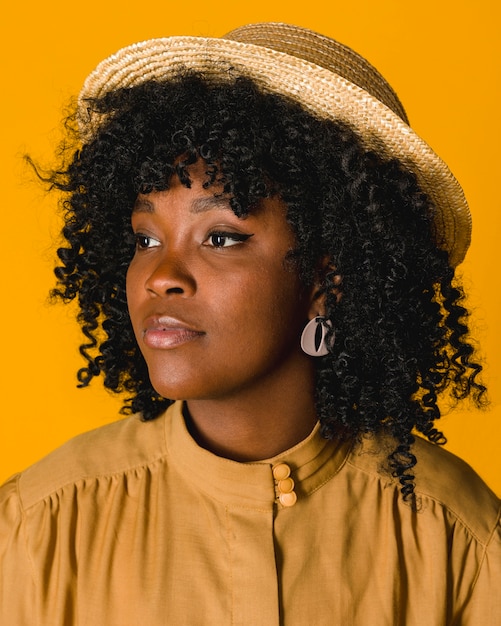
pixel 200 190
pixel 198 204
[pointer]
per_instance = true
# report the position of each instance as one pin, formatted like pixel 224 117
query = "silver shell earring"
pixel 314 337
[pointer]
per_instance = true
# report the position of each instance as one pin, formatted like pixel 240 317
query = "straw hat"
pixel 327 78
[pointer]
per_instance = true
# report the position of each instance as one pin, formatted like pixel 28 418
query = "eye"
pixel 144 242
pixel 222 239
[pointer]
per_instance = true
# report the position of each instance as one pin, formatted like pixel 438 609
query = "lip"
pixel 164 333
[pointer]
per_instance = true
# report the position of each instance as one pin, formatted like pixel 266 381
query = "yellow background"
pixel 443 59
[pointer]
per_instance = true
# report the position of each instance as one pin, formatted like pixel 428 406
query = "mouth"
pixel 165 333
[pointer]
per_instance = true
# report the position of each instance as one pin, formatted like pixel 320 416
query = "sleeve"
pixel 484 604
pixel 16 575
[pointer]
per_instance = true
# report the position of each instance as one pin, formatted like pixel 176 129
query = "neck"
pixel 255 424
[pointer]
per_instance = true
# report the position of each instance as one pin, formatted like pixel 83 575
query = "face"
pixel 215 308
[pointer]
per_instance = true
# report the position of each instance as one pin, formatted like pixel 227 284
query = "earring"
pixel 314 335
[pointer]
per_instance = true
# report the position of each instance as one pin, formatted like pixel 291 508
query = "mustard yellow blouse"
pixel 133 524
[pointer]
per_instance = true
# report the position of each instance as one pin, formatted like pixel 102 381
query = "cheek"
pixel 273 307
pixel 133 292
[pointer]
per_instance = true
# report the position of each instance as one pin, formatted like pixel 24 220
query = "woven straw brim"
pixel 322 92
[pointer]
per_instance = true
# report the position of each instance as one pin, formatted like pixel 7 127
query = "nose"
pixel 171 275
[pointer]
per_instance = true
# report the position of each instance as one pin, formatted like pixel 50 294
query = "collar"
pixel 256 485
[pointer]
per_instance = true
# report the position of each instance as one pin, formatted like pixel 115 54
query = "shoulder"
pixel 114 448
pixel 442 479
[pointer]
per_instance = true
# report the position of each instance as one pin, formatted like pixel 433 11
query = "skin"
pixel 218 313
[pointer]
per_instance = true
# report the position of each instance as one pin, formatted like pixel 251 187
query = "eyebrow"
pixel 199 205
pixel 142 205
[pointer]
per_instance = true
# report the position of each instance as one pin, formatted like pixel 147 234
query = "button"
pixel 286 485
pixel 287 499
pixel 281 471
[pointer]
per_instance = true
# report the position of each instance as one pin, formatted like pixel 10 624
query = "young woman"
pixel 263 253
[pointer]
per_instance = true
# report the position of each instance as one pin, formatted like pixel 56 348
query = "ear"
pixel 327 278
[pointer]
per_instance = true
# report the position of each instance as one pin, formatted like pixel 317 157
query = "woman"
pixel 263 253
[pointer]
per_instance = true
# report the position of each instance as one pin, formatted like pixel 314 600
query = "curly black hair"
pixel 401 332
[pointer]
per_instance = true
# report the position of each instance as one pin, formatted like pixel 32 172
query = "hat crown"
pixel 313 47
